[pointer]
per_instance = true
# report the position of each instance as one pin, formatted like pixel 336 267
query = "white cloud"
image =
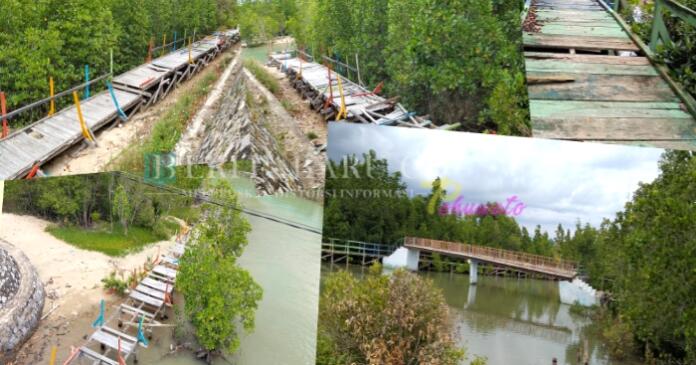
pixel 561 182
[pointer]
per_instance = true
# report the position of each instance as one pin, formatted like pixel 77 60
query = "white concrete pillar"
pixel 473 272
pixel 403 258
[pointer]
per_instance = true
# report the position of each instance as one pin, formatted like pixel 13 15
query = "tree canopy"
pixel 50 38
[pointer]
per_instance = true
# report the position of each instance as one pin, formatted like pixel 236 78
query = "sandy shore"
pixel 72 279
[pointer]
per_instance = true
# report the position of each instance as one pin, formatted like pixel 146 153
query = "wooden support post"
pixel 149 51
pixel 3 110
pixel 164 42
pixel 342 112
pixel 51 92
pixel 190 58
pixel 174 43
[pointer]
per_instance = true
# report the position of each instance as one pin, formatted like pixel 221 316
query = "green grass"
pixel 114 243
pixel 263 76
pixel 168 129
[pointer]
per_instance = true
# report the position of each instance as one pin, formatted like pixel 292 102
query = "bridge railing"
pixel 352 247
pixel 659 32
pixel 492 253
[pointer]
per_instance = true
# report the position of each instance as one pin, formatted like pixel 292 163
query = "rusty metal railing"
pixel 492 254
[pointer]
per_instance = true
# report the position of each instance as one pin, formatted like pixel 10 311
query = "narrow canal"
pixel 285 261
pixel 515 321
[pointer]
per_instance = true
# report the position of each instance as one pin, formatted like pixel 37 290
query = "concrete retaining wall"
pixel 24 300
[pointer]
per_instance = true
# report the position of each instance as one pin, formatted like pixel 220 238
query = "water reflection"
pixel 519 321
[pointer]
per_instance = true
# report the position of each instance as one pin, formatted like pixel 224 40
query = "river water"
pixel 515 321
pixel 260 53
pixel 285 261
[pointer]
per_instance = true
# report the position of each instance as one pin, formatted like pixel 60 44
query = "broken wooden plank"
pixel 587 87
pixel 579 42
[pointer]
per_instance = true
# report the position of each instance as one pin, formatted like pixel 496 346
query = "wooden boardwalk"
pixel 48 137
pixel 354 252
pixel 121 334
pixel 513 259
pixel 589 80
pixel 328 94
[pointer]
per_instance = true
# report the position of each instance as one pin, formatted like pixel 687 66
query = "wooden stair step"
pixel 97 356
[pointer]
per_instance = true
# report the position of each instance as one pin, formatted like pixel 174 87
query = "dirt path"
pixel 72 280
pixel 308 120
pixel 81 160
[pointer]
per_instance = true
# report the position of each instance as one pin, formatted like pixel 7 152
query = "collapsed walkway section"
pixel 337 97
pixel 119 337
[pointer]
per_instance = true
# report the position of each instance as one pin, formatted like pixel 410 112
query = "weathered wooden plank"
pixel 158 285
pixel 566 66
pixel 579 42
pixel 111 341
pixel 580 58
pixel 604 109
pixel 583 31
pixel 603 88
pixel 157 303
pixel 97 356
pixel 588 8
pixel 573 15
pixel 594 128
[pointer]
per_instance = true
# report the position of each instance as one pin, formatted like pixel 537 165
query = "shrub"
pixel 397 319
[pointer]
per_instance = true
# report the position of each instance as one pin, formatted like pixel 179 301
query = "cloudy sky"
pixel 558 181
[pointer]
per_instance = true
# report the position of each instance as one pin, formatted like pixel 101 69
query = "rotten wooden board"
pixel 540 40
pixel 589 87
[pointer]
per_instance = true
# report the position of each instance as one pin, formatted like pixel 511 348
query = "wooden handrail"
pixel 491 252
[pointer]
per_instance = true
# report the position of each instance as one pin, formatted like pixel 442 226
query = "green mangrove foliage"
pixel 456 61
pixel 57 38
pixel 397 319
pixel 102 212
pixel 219 295
pixel 678 56
pixel 644 256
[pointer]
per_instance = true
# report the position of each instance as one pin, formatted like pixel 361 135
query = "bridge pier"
pixel 403 257
pixel 473 272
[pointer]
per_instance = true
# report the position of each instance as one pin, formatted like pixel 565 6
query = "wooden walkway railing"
pixel 514 259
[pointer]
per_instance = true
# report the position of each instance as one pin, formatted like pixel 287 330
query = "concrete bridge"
pixel 409 255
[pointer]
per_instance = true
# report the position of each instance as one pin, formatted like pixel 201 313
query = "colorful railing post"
pixel 83 126
pixel 149 51
pixel 190 47
pixel 51 91
pixel 164 42
pixel 86 81
pixel 3 110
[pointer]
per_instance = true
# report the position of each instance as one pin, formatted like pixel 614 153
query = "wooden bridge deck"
pixel 513 259
pixel 588 80
pixel 47 138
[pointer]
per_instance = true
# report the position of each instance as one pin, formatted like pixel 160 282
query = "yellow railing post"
pixel 342 112
pixel 52 107
pixel 83 125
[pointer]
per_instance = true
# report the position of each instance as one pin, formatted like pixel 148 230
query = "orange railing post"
pixel 3 109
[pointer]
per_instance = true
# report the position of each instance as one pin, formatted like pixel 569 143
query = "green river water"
pixel 516 321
